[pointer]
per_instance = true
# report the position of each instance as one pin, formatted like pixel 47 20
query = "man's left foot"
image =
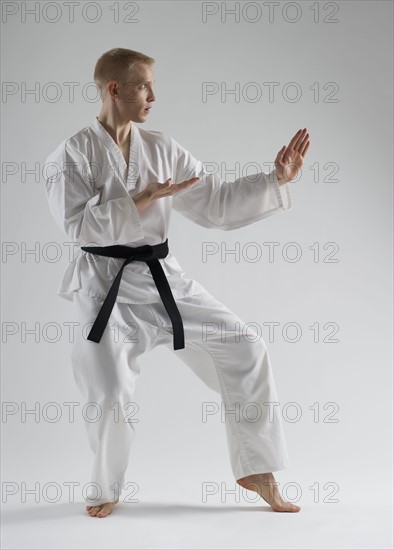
pixel 265 486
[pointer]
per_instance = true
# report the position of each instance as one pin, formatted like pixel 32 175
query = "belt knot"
pixel 151 255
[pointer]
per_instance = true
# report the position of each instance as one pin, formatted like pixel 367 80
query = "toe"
pixel 105 511
pixel 287 507
pixel 292 507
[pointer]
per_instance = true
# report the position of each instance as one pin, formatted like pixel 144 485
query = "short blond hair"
pixel 116 64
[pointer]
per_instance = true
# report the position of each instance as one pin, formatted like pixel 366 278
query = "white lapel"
pixel 128 173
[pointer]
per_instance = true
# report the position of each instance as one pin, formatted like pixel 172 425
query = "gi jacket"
pixel 90 187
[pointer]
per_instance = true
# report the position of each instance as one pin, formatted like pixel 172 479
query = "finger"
pixel 167 189
pixel 168 184
pixel 164 185
pixel 279 156
pixel 305 148
pixel 183 182
pixel 296 139
pixel 302 139
pixel 161 189
pixel 186 183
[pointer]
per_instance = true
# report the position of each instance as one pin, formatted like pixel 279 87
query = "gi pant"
pixel 235 366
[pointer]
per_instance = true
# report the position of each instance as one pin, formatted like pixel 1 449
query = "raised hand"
pixel 290 159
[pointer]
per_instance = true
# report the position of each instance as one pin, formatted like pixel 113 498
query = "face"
pixel 135 96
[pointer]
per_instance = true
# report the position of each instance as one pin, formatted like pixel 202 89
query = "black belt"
pixel 150 255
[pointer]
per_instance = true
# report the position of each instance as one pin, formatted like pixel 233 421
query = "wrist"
pixel 280 179
pixel 141 200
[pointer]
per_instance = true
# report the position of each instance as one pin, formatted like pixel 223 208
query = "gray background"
pixel 175 452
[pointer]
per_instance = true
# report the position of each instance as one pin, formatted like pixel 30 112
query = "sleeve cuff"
pixel 282 192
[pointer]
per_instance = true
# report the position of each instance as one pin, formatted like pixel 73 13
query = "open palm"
pixel 290 159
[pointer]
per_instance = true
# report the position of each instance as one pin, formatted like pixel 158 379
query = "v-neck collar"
pixel 128 172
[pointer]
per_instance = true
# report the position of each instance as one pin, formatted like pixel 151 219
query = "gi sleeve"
pixel 214 203
pixel 74 203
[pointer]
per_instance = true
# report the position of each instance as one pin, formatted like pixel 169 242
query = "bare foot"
pixel 265 486
pixel 102 510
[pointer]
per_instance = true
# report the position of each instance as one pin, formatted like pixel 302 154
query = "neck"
pixel 118 129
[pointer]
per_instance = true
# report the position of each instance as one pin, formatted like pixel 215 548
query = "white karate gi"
pixel 89 189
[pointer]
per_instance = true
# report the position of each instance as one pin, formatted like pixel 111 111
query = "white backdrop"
pixel 321 65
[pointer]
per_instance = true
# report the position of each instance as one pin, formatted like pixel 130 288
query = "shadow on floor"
pixel 29 512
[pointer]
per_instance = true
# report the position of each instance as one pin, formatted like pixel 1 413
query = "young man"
pixel 112 187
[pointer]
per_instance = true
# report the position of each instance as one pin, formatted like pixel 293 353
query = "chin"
pixel 136 119
pixel 142 117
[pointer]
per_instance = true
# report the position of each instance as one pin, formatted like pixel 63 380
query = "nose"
pixel 151 95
